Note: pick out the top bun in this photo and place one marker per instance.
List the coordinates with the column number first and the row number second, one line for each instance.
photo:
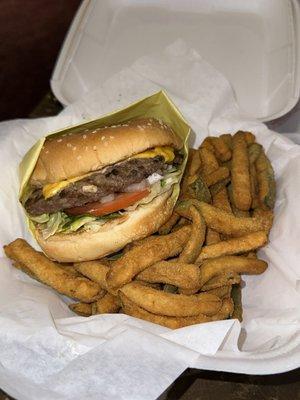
column 74, row 154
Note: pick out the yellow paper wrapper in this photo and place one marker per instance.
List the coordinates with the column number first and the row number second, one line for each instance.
column 157, row 106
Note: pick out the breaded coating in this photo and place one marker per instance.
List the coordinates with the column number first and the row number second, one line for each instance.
column 108, row 304
column 254, row 151
column 266, row 182
column 221, row 201
column 197, row 189
column 219, row 186
column 51, row 274
column 134, row 310
column 226, row 223
column 227, row 138
column 151, row 251
column 223, row 291
column 172, row 305
column 236, row 295
column 222, row 151
column 209, row 161
column 248, row 136
column 167, row 226
column 240, row 175
column 82, row 309
column 248, row 242
column 94, row 270
column 234, row 264
column 195, row 242
column 212, row 236
column 216, row 176
column 176, row 273
column 225, row 279
column 206, row 144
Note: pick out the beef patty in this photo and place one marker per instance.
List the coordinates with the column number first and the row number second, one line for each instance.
column 113, row 180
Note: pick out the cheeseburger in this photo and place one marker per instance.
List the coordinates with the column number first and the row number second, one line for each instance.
column 93, row 191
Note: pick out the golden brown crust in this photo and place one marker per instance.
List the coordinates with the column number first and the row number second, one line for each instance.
column 112, row 236
column 75, row 154
column 51, row 274
column 171, row 304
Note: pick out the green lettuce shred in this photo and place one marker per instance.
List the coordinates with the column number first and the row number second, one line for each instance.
column 77, row 223
column 55, row 224
column 40, row 219
column 49, row 224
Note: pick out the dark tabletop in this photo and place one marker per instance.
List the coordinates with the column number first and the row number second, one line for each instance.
column 208, row 385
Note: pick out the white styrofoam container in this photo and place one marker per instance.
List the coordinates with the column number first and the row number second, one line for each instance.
column 255, row 44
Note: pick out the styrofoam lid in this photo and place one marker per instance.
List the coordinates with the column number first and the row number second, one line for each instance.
column 255, row 44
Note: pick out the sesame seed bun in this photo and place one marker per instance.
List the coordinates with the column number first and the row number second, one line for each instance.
column 74, row 154
column 112, row 236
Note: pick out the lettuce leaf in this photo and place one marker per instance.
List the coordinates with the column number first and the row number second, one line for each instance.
column 77, row 223
column 40, row 219
column 50, row 224
column 55, row 224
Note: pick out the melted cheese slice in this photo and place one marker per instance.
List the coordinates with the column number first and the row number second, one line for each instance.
column 166, row 152
column 53, row 188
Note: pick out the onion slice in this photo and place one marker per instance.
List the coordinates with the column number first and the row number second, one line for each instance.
column 107, row 199
column 137, row 187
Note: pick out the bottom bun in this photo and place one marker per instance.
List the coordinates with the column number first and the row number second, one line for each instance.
column 112, row 236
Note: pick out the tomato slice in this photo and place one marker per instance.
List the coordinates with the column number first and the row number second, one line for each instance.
column 98, row 209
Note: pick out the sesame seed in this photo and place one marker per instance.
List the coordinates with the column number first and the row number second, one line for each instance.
column 102, row 137
column 69, row 145
column 59, row 140
column 125, row 125
column 149, row 124
column 47, row 151
column 140, row 127
column 74, row 148
column 84, row 136
column 94, row 147
column 86, row 147
column 70, row 134
column 78, row 157
column 95, row 131
column 111, row 137
column 86, row 130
